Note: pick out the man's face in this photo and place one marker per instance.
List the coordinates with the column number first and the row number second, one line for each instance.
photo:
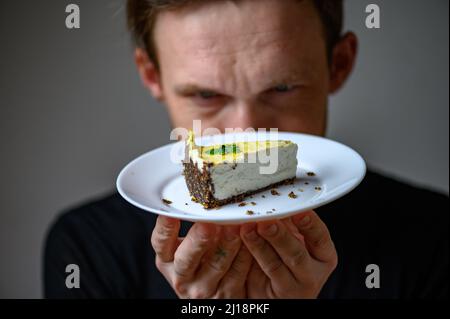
column 244, row 64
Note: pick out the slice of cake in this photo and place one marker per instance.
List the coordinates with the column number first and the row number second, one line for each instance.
column 220, row 174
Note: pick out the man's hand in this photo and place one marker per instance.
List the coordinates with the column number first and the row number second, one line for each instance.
column 293, row 257
column 210, row 262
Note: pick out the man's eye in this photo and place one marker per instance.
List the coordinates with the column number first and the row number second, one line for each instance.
column 206, row 95
column 282, row 88
column 208, row 98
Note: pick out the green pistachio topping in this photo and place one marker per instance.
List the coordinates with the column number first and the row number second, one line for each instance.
column 225, row 149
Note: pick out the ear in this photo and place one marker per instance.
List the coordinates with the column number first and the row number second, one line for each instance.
column 149, row 74
column 343, row 60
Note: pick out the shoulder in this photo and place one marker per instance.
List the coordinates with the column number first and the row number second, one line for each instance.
column 386, row 201
column 104, row 238
column 383, row 195
column 108, row 224
column 109, row 213
column 401, row 228
column 390, row 188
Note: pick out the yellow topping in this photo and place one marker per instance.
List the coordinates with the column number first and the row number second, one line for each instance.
column 230, row 152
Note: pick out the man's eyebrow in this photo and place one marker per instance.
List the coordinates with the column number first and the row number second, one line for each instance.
column 193, row 88
column 186, row 89
column 289, row 78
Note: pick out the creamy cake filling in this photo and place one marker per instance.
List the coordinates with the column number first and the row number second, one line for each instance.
column 223, row 173
column 231, row 179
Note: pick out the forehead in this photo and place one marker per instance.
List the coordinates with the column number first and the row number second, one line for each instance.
column 224, row 34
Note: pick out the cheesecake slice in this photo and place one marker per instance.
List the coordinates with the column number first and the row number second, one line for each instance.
column 220, row 174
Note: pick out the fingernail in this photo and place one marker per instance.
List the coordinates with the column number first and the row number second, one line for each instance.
column 231, row 233
column 304, row 221
column 250, row 232
column 205, row 231
column 270, row 230
column 251, row 235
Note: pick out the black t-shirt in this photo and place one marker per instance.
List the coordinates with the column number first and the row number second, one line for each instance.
column 402, row 229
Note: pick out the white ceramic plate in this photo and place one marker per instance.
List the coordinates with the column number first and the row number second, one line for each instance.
column 156, row 175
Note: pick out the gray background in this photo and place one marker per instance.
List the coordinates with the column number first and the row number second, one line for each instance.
column 73, row 112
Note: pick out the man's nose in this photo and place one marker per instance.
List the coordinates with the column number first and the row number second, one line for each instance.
column 252, row 115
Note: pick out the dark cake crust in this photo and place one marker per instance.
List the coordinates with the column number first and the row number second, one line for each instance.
column 199, row 184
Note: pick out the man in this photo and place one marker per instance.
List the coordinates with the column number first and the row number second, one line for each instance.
column 259, row 64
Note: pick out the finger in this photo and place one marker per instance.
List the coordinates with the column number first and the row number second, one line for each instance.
column 291, row 250
column 257, row 283
column 220, row 259
column 317, row 236
column 269, row 261
column 165, row 237
column 191, row 250
column 293, row 229
column 236, row 275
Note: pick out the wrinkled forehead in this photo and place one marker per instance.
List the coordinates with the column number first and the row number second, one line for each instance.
column 231, row 27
